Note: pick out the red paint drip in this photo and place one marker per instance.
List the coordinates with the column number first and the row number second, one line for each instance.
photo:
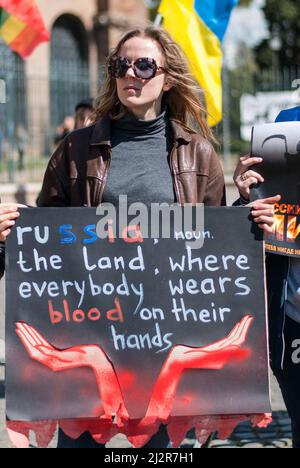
column 137, row 433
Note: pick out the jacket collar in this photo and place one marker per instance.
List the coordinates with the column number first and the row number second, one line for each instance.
column 101, row 134
column 179, row 132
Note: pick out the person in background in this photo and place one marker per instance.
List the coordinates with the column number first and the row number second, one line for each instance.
column 22, row 139
column 1, row 145
column 9, row 213
column 66, row 127
column 283, row 277
column 83, row 113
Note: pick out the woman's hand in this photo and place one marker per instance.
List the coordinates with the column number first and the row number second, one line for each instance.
column 8, row 215
column 263, row 213
column 244, row 177
column 262, row 210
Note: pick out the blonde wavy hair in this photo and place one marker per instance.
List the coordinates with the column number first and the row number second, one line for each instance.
column 185, row 102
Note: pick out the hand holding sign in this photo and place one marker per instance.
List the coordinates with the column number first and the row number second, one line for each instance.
column 8, row 215
column 244, row 177
column 279, row 147
column 263, row 213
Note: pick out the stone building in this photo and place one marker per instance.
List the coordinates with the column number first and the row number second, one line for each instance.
column 42, row 90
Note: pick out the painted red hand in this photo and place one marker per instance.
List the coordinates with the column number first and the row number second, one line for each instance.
column 56, row 360
column 91, row 356
column 214, row 357
column 217, row 355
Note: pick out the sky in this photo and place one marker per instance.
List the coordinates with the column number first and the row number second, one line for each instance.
column 247, row 25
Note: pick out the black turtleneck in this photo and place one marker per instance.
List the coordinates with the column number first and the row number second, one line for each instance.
column 140, row 165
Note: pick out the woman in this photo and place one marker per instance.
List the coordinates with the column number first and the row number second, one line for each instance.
column 141, row 145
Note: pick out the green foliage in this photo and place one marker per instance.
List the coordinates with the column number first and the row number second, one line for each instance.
column 283, row 17
column 153, row 6
column 244, row 3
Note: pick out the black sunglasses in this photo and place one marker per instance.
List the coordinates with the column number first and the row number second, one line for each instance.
column 144, row 68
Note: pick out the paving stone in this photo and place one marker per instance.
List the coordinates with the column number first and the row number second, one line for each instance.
column 279, row 444
column 217, row 443
column 253, row 445
column 188, row 443
column 245, row 435
column 227, row 447
column 119, row 441
column 4, row 440
column 245, row 441
column 286, row 428
column 288, row 443
column 269, row 435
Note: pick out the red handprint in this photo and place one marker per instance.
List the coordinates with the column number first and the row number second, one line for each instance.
column 181, row 358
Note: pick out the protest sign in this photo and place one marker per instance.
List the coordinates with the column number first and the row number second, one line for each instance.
column 279, row 146
column 134, row 326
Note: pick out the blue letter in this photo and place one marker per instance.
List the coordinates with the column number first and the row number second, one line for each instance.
column 90, row 231
column 68, row 237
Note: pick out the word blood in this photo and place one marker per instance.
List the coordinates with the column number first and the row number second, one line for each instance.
column 79, row 315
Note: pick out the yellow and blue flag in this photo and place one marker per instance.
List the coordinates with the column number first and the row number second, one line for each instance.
column 199, row 26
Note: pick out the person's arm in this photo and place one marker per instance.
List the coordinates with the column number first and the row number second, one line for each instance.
column 9, row 213
column 55, row 189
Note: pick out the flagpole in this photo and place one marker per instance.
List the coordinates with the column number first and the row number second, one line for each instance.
column 158, row 20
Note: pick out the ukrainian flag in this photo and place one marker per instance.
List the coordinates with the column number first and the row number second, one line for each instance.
column 199, row 26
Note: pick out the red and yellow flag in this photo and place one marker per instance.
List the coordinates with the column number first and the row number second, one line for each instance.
column 21, row 26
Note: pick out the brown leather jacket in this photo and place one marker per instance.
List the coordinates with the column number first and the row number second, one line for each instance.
column 77, row 172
